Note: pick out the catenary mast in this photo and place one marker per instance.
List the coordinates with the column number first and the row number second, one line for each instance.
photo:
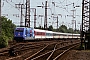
column 27, row 16
column 85, row 30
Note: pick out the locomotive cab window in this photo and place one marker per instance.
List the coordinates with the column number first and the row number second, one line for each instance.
column 19, row 30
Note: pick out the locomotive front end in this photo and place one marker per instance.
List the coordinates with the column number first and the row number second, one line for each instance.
column 18, row 34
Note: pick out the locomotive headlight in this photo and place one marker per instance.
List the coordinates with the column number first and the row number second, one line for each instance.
column 25, row 35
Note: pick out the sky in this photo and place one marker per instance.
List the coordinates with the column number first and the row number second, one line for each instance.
column 61, row 8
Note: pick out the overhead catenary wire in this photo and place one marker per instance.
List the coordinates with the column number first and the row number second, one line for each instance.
column 63, row 6
column 14, row 6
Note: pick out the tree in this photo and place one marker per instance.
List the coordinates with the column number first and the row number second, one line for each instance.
column 8, row 27
column 7, row 31
column 62, row 28
column 50, row 28
column 70, row 30
column 39, row 28
column 77, row 31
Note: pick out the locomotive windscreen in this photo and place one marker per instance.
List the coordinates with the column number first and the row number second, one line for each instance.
column 19, row 29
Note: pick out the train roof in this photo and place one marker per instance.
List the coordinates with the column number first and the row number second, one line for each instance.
column 39, row 30
column 43, row 31
column 54, row 32
column 23, row 27
column 65, row 33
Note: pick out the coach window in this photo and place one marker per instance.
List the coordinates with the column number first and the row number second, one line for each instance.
column 47, row 34
column 53, row 34
column 42, row 33
column 39, row 33
column 35, row 33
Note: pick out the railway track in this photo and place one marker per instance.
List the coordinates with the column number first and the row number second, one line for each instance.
column 64, row 51
column 18, row 49
column 32, row 49
column 4, row 51
column 14, row 45
column 23, row 48
column 53, row 52
column 23, row 55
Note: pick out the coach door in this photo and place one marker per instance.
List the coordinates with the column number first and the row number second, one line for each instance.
column 30, row 33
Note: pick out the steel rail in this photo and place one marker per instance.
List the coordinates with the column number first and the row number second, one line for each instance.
column 52, row 51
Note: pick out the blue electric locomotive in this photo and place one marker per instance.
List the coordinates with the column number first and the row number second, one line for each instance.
column 23, row 33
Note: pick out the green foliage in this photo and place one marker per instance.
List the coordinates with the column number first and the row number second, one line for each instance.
column 3, row 43
column 62, row 28
column 50, row 28
column 3, row 40
column 8, row 27
column 7, row 31
column 39, row 28
column 70, row 30
column 77, row 32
